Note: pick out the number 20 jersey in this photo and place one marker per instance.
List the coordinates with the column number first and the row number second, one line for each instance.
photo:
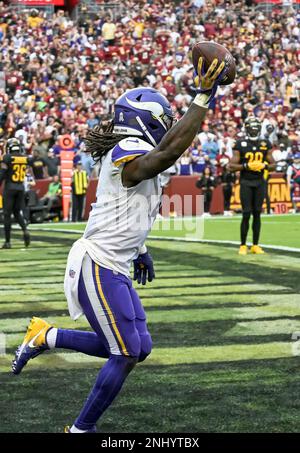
column 251, row 150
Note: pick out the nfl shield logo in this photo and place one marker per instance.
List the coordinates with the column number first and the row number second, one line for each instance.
column 72, row 273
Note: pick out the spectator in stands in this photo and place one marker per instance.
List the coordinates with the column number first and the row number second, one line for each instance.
column 61, row 75
column 39, row 166
column 34, row 20
column 109, row 31
column 185, row 164
column 52, row 162
column 199, row 160
column 92, row 120
column 211, row 147
column 53, row 196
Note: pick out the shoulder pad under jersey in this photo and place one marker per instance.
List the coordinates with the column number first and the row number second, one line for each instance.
column 128, row 149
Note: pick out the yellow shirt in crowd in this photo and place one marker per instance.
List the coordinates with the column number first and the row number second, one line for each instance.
column 34, row 22
column 139, row 29
column 109, row 31
column 4, row 27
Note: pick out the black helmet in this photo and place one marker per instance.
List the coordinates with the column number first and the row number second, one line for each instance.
column 253, row 127
column 14, row 145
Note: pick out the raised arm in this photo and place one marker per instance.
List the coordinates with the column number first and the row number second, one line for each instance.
column 180, row 136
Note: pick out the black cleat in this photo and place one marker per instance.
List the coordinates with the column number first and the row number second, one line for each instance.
column 26, row 238
column 6, row 245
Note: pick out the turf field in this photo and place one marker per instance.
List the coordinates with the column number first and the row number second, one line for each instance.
column 278, row 230
column 223, row 359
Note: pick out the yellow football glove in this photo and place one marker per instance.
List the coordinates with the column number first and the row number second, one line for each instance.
column 206, row 81
column 256, row 165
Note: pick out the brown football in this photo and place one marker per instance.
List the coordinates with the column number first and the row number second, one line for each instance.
column 210, row 50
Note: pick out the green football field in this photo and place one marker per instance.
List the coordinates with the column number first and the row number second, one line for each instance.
column 224, row 329
column 278, row 230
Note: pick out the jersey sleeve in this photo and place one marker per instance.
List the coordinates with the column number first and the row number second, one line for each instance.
column 129, row 149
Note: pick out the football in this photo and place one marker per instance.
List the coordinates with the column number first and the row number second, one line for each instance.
column 210, row 50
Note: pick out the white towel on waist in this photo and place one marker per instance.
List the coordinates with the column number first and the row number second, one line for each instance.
column 72, row 275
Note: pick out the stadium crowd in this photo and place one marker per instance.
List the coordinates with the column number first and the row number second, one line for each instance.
column 60, row 77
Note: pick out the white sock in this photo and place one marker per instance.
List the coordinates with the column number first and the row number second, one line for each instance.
column 76, row 430
column 51, row 338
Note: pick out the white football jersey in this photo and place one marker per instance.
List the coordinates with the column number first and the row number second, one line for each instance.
column 121, row 218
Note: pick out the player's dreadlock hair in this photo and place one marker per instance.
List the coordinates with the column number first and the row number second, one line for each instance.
column 100, row 140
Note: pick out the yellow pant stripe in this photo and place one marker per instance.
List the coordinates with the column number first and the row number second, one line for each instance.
column 111, row 317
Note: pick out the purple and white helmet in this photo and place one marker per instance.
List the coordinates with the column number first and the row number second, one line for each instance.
column 143, row 112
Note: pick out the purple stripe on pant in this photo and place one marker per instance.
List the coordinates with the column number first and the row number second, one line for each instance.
column 124, row 305
column 114, row 311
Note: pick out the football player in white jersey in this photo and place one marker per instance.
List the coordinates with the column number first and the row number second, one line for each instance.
column 139, row 144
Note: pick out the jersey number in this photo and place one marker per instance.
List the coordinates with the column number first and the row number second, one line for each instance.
column 258, row 156
column 19, row 173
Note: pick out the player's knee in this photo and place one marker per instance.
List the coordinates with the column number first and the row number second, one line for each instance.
column 130, row 363
column 246, row 216
column 122, row 365
column 256, row 214
column 127, row 363
column 146, row 347
column 16, row 215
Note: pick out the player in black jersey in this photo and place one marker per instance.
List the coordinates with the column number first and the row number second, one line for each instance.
column 251, row 156
column 13, row 171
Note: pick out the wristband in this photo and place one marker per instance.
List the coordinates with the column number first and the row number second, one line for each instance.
column 142, row 249
column 245, row 166
column 202, row 100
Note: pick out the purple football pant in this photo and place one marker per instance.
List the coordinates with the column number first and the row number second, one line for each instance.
column 114, row 311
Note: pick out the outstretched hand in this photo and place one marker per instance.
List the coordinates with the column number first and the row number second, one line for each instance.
column 207, row 82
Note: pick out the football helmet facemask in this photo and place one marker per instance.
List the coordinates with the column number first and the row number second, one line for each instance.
column 253, row 127
column 13, row 145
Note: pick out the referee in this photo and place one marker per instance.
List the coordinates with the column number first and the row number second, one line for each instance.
column 13, row 172
column 251, row 156
column 79, row 187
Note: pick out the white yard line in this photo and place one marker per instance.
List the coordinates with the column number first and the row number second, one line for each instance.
column 60, row 230
column 216, row 241
column 171, row 238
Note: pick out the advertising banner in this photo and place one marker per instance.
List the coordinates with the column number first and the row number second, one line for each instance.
column 39, row 2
